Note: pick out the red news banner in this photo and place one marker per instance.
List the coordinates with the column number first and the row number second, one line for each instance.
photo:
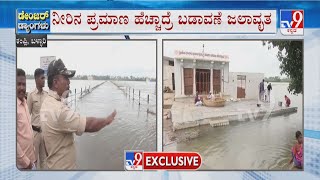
column 163, row 21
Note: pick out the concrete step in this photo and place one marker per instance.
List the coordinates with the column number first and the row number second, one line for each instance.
column 218, row 123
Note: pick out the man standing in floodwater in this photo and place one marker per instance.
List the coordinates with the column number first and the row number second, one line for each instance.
column 269, row 88
column 288, row 101
column 261, row 90
column 59, row 122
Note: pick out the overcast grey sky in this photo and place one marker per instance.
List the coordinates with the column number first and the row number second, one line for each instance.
column 124, row 58
column 245, row 56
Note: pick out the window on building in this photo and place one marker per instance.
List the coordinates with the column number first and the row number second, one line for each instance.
column 171, row 63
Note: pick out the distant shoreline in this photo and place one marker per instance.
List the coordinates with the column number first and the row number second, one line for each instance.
column 103, row 80
column 277, row 81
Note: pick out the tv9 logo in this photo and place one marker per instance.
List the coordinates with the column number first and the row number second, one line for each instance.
column 291, row 22
column 133, row 160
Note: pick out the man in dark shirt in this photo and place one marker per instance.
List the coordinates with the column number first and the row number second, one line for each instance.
column 261, row 90
column 269, row 87
column 288, row 101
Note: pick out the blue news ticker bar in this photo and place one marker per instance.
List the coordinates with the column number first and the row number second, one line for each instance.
column 312, row 134
column 311, row 8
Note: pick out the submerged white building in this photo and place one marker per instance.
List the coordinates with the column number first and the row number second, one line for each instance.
column 191, row 72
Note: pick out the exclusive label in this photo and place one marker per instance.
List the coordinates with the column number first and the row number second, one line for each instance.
column 138, row 160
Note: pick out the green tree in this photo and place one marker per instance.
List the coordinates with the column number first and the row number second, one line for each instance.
column 290, row 54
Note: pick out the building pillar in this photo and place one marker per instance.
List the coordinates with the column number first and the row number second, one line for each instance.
column 182, row 78
column 222, row 77
column 222, row 80
column 211, row 77
column 211, row 80
column 194, row 77
column 176, row 77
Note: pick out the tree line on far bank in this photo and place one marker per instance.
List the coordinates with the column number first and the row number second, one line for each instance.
column 277, row 79
column 107, row 77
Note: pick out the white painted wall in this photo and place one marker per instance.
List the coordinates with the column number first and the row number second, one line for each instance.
column 167, row 74
column 252, row 84
column 178, row 78
column 225, row 77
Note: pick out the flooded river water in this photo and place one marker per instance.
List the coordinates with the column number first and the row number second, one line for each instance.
column 260, row 144
column 132, row 129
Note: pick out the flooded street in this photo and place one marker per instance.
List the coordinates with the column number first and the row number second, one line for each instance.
column 259, row 144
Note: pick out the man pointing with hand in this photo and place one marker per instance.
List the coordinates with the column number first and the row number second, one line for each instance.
column 59, row 122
